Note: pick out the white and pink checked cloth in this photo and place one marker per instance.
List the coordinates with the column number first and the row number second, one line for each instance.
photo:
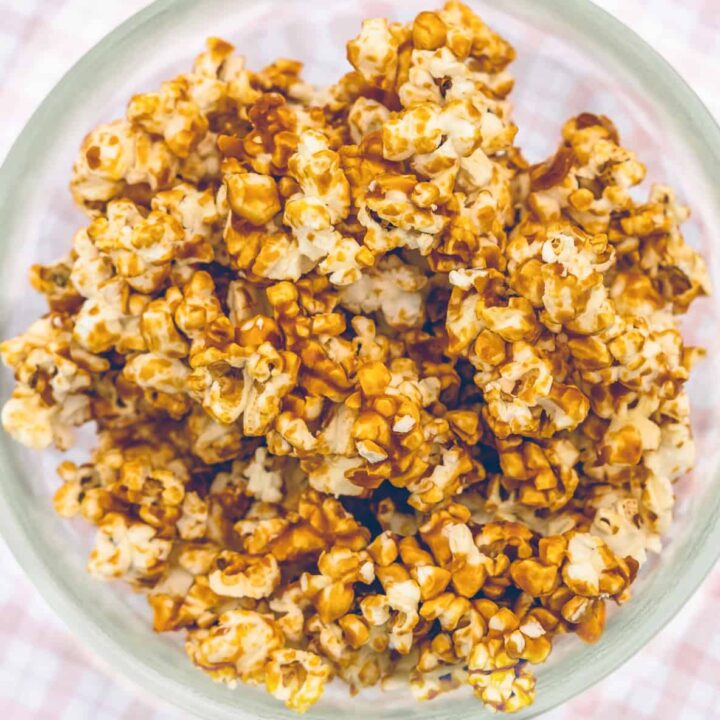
column 46, row 675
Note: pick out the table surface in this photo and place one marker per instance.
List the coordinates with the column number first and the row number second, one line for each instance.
column 46, row 674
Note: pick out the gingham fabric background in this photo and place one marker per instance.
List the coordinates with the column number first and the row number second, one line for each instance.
column 45, row 674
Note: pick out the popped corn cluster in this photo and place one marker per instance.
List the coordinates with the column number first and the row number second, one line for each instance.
column 374, row 396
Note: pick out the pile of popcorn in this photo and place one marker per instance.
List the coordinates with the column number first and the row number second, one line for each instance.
column 374, row 396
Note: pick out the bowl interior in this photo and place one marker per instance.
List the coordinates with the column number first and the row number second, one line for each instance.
column 566, row 65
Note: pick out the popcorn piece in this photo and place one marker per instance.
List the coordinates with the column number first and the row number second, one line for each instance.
column 116, row 157
column 262, row 482
column 505, row 690
column 291, row 604
column 54, row 375
column 664, row 254
column 253, row 197
column 140, row 248
column 591, row 569
column 128, row 549
column 171, row 113
column 543, row 475
column 239, row 647
column 591, row 153
column 332, row 591
column 243, row 576
column 297, row 677
column 322, row 202
column 392, row 288
column 374, row 53
column 366, row 116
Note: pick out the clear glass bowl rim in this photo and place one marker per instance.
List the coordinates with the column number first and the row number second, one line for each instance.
column 701, row 134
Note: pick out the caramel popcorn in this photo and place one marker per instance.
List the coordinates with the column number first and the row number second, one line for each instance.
column 376, row 399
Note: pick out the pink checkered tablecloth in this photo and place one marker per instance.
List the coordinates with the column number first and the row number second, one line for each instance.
column 45, row 674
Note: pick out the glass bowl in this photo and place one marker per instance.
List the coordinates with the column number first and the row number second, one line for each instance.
column 572, row 57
